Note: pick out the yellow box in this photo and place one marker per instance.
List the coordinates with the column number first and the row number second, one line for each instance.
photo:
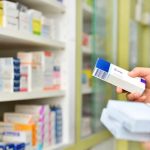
column 37, row 26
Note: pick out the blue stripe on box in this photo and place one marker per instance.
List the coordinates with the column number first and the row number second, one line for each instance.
column 143, row 81
column 102, row 64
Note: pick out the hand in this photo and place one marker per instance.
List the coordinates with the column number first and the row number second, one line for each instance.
column 146, row 145
column 145, row 97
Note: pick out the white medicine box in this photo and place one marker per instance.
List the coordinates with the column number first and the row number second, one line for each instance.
column 8, row 15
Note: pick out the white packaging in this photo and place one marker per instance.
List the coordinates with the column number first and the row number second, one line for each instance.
column 132, row 115
column 25, row 57
column 25, row 71
column 120, row 132
column 31, row 109
column 6, row 85
column 19, row 118
column 45, row 27
column 6, row 126
column 9, row 4
column 35, row 73
column 43, row 117
column 19, row 136
column 54, row 29
column 35, row 14
column 10, row 23
column 23, row 22
column 11, row 13
column 35, row 17
column 118, row 77
column 6, row 63
column 25, row 78
column 9, row 9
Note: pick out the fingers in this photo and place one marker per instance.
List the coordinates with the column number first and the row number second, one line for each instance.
column 136, row 97
column 139, row 72
column 119, row 90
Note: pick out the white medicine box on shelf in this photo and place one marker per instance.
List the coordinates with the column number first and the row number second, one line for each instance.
column 9, row 15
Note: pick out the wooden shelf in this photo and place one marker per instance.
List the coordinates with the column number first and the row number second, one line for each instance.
column 16, row 96
column 45, row 6
column 27, row 39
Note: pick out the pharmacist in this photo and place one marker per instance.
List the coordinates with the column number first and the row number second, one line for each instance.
column 145, row 97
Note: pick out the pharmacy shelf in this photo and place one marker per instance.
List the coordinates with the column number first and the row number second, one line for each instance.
column 27, row 39
column 45, row 6
column 57, row 147
column 16, row 96
column 87, row 12
column 86, row 50
column 86, row 90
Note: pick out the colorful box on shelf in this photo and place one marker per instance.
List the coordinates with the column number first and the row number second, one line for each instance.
column 50, row 118
column 9, row 74
column 35, row 21
column 31, row 71
column 58, row 123
column 40, row 71
column 24, row 123
column 87, row 77
column 12, row 146
column 42, row 114
column 5, row 127
column 18, row 136
column 8, row 15
column 37, row 126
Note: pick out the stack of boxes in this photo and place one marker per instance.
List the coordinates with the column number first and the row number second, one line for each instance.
column 40, row 71
column 9, row 74
column 42, row 112
column 127, row 120
column 37, row 126
column 31, row 71
column 12, row 146
column 9, row 15
column 57, row 126
column 22, row 129
column 31, row 63
column 17, row 16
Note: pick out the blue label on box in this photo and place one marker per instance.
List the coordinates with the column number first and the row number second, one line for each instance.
column 103, row 65
column 16, row 62
column 10, row 147
column 20, row 146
